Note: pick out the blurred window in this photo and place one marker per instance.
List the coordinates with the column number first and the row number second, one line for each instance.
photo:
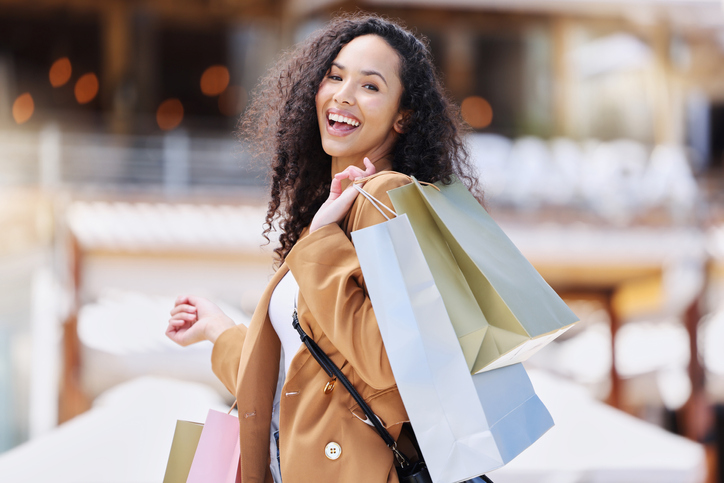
column 184, row 55
column 30, row 44
column 498, row 74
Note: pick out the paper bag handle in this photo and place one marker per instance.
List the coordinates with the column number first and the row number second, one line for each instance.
column 375, row 202
column 411, row 178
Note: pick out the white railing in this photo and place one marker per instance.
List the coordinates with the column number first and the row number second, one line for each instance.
column 173, row 163
column 618, row 180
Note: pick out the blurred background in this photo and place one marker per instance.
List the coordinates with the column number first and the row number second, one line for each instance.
column 598, row 131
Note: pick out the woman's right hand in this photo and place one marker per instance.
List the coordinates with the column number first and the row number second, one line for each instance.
column 340, row 200
column 194, row 319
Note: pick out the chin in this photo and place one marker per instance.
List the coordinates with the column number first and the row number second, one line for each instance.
column 335, row 151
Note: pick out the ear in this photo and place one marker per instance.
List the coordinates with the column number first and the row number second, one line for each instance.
column 400, row 125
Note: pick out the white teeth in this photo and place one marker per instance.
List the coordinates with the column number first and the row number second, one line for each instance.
column 338, row 118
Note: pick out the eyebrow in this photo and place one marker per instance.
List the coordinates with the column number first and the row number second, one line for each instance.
column 364, row 72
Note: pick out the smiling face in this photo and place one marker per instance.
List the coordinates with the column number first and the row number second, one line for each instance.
column 358, row 101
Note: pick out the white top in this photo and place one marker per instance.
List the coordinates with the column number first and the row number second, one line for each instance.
column 281, row 307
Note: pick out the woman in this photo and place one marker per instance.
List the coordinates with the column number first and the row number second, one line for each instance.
column 358, row 98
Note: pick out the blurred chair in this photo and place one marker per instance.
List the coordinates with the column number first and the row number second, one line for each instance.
column 631, row 158
column 611, row 173
column 669, row 181
column 489, row 154
column 567, row 157
column 660, row 349
column 529, row 171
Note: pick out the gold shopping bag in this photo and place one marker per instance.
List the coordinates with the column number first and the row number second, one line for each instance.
column 500, row 307
column 183, row 447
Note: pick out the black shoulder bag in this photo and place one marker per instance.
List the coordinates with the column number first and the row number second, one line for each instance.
column 407, row 471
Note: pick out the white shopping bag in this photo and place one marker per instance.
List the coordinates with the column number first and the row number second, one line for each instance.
column 465, row 425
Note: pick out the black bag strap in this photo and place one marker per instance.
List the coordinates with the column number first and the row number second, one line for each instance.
column 333, row 371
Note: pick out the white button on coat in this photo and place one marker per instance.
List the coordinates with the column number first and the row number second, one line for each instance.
column 332, row 451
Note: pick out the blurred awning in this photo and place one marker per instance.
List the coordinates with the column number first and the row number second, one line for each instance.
column 127, row 435
column 593, row 442
column 124, row 438
column 166, row 227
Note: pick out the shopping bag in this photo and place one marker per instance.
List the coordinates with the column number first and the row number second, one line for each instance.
column 217, row 454
column 501, row 308
column 466, row 425
column 185, row 439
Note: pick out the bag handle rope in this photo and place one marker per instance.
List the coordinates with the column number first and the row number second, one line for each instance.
column 377, row 203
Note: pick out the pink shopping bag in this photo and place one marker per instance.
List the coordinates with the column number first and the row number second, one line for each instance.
column 217, row 454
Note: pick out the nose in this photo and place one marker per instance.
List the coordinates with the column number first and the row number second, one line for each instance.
column 345, row 94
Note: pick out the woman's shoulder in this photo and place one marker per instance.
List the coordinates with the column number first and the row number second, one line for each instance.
column 364, row 212
column 385, row 181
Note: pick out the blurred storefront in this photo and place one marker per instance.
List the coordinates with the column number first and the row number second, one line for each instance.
column 597, row 128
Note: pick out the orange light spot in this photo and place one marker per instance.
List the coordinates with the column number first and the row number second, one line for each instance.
column 477, row 112
column 60, row 72
column 86, row 88
column 232, row 101
column 23, row 108
column 169, row 114
column 214, row 80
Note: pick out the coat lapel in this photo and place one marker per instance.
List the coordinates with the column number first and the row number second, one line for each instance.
column 256, row 384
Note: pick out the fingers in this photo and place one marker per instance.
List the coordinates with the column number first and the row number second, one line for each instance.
column 182, row 331
column 181, row 299
column 346, row 199
column 180, row 334
column 354, row 173
column 335, row 189
column 351, row 172
column 184, row 316
column 370, row 167
column 340, row 201
column 179, row 308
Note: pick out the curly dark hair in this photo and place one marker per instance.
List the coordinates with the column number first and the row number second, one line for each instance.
column 430, row 148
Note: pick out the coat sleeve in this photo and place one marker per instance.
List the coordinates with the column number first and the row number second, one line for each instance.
column 226, row 354
column 326, row 267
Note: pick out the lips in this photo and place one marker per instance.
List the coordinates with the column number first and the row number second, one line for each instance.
column 341, row 123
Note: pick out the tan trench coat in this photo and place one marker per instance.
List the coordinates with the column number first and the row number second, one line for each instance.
column 334, row 309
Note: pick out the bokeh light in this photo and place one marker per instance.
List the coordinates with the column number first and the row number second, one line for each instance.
column 169, row 114
column 477, row 112
column 86, row 88
column 232, row 101
column 23, row 108
column 214, row 80
column 60, row 72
